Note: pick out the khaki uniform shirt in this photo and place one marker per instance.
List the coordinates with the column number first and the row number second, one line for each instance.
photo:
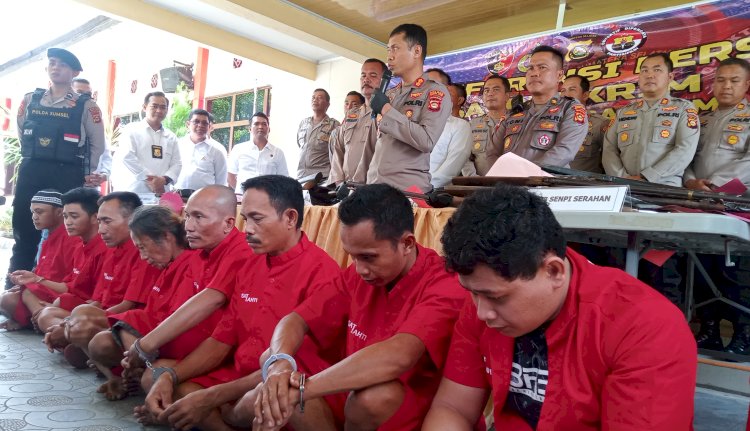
column 657, row 142
column 407, row 134
column 353, row 146
column 486, row 144
column 92, row 124
column 724, row 146
column 589, row 157
column 312, row 140
column 549, row 134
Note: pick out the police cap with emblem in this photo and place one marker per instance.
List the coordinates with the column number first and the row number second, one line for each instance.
column 67, row 57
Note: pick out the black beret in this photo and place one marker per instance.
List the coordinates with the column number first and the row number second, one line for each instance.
column 67, row 57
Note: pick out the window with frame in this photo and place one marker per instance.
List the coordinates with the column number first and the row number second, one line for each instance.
column 232, row 114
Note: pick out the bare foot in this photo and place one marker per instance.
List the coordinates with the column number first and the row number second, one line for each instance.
column 10, row 325
column 55, row 339
column 114, row 389
column 144, row 416
column 76, row 357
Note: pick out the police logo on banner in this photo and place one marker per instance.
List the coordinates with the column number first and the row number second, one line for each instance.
column 499, row 61
column 624, row 41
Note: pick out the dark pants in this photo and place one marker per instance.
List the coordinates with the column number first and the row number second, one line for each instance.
column 732, row 281
column 35, row 175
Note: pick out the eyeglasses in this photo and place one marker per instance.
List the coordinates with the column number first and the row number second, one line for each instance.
column 199, row 122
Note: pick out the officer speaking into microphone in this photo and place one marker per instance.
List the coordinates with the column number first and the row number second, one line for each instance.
column 62, row 138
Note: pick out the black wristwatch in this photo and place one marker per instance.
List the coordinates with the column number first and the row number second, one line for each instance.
column 167, row 180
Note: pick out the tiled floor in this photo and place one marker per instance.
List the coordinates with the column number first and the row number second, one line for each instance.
column 40, row 391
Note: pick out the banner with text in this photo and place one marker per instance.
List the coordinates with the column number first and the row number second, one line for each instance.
column 609, row 55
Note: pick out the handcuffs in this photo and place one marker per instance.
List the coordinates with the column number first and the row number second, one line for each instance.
column 147, row 358
column 275, row 357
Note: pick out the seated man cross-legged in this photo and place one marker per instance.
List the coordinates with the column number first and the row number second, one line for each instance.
column 289, row 269
column 560, row 343
column 395, row 306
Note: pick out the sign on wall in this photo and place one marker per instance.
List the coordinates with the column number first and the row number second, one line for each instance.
column 609, row 55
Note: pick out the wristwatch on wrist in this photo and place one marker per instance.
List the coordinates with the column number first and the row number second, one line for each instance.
column 274, row 358
column 167, row 180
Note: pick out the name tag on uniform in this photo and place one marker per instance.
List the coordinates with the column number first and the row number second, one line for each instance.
column 156, row 152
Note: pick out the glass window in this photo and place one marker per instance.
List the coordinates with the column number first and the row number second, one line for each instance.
column 222, row 136
column 221, row 108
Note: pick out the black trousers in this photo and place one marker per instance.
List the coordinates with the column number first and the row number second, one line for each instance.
column 732, row 281
column 35, row 175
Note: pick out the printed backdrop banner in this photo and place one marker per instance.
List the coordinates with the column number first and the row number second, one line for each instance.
column 609, row 55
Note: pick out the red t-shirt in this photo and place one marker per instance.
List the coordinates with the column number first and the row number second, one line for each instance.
column 267, row 291
column 56, row 261
column 124, row 276
column 424, row 303
column 621, row 357
column 85, row 275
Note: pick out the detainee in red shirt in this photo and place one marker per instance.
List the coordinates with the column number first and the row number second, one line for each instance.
column 210, row 225
column 219, row 250
column 395, row 305
column 80, row 208
column 289, row 269
column 159, row 236
column 560, row 343
column 53, row 263
column 121, row 285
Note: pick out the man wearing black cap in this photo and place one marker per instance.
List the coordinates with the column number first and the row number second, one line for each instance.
column 62, row 139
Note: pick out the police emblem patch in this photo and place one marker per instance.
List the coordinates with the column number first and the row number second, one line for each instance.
column 666, row 123
column 477, row 145
column 44, row 141
column 554, row 110
column 546, row 125
column 664, row 101
column 544, row 140
column 692, row 121
column 506, row 144
column 409, row 113
column 434, row 100
column 735, row 127
column 416, row 95
column 418, row 83
column 669, row 108
column 623, row 136
column 665, row 134
column 733, row 140
column 96, row 114
column 156, row 152
column 741, row 106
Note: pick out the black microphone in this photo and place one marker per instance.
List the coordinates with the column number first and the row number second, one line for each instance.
column 387, row 75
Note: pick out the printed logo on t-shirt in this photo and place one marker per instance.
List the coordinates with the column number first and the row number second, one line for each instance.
column 531, row 382
column 247, row 298
column 76, row 271
column 356, row 332
column 108, row 277
column 487, row 369
column 156, row 289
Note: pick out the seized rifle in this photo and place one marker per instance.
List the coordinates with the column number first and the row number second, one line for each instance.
column 648, row 192
column 436, row 198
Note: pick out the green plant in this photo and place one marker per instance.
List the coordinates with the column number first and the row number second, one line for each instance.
column 12, row 154
column 179, row 109
column 6, row 221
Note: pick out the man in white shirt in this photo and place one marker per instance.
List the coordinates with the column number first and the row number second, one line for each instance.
column 148, row 159
column 453, row 149
column 256, row 157
column 204, row 160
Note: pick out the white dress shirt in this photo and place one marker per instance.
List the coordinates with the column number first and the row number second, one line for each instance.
column 203, row 164
column 144, row 151
column 451, row 152
column 246, row 161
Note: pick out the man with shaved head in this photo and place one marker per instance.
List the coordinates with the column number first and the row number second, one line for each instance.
column 209, row 222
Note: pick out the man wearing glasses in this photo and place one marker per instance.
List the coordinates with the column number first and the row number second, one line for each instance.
column 148, row 159
column 204, row 161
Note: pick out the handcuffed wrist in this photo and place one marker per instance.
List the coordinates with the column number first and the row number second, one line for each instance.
column 273, row 358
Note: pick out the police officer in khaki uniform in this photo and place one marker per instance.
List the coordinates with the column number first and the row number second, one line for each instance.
column 354, row 141
column 486, row 144
column 589, row 157
column 653, row 139
column 724, row 154
column 413, row 114
column 551, row 128
column 313, row 136
column 62, row 138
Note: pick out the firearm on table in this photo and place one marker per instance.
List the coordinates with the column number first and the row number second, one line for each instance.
column 436, row 198
column 645, row 192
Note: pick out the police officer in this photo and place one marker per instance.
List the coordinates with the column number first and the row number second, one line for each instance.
column 551, row 128
column 313, row 136
column 412, row 114
column 589, row 157
column 653, row 139
column 354, row 141
column 62, row 139
column 724, row 154
column 486, row 144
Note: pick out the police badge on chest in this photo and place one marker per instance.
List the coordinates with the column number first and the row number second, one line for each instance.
column 156, row 152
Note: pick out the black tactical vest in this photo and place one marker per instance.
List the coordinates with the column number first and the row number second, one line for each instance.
column 53, row 134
